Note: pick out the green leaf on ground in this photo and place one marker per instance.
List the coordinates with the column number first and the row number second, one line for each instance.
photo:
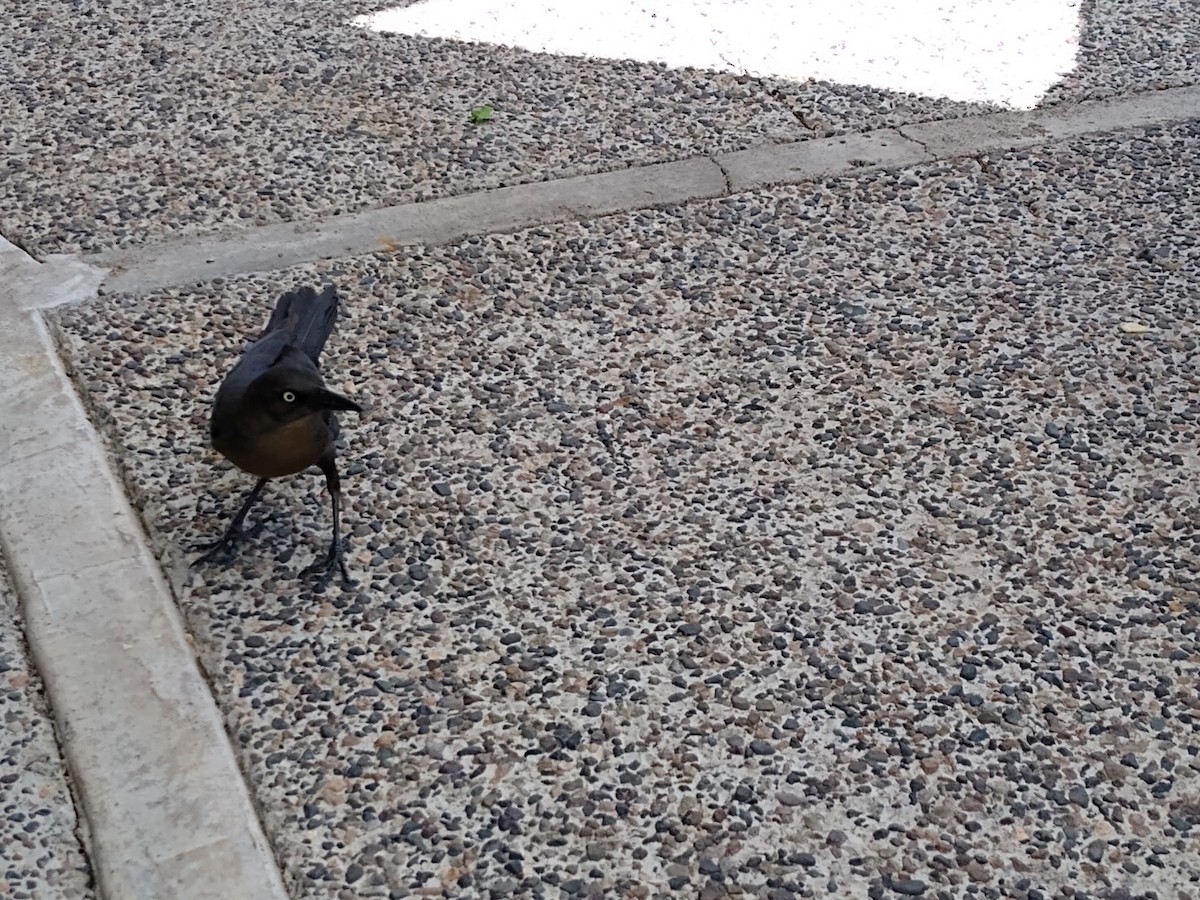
column 482, row 114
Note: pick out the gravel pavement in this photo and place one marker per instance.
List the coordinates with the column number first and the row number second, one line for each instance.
column 126, row 120
column 840, row 539
column 40, row 852
column 832, row 540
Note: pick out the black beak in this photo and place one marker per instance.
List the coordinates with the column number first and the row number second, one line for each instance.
column 324, row 399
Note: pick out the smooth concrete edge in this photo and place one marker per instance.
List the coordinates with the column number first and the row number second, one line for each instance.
column 773, row 164
column 432, row 222
column 1011, row 131
column 269, row 247
column 158, row 785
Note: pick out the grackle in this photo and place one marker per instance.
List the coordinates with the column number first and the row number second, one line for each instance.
column 273, row 415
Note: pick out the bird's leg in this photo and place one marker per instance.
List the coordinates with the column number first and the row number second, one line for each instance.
column 336, row 557
column 223, row 546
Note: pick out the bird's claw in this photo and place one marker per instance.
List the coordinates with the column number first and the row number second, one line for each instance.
column 322, row 570
column 219, row 550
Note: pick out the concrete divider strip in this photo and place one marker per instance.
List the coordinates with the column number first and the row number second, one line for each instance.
column 508, row 209
column 811, row 160
column 1009, row 131
column 432, row 222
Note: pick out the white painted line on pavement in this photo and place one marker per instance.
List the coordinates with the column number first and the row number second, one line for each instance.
column 1005, row 52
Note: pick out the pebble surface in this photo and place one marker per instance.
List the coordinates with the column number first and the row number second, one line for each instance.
column 168, row 119
column 40, row 852
column 837, row 540
column 1129, row 45
column 124, row 122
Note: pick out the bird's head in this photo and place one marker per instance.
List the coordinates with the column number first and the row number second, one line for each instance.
column 286, row 395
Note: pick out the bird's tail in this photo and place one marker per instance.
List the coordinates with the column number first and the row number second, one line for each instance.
column 307, row 317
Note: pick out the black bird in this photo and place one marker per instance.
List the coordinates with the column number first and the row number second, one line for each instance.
column 273, row 416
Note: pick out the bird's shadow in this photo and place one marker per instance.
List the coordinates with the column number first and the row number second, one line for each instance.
column 273, row 536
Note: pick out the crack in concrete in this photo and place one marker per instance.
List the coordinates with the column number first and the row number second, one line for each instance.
column 776, row 94
column 903, row 132
column 20, row 243
column 725, row 173
column 804, row 120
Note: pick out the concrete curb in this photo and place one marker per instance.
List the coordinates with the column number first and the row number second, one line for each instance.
column 148, row 268
column 168, row 810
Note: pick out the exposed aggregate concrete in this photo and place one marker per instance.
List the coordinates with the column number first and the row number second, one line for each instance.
column 40, row 852
column 125, row 121
column 1127, row 45
column 129, row 121
column 816, row 542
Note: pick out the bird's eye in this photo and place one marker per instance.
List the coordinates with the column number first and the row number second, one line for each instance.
column 289, row 397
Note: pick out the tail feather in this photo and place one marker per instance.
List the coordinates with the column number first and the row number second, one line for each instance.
column 307, row 317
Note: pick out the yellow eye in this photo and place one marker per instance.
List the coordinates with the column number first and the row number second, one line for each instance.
column 289, row 397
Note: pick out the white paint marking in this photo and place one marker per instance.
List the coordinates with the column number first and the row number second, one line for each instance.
column 1006, row 52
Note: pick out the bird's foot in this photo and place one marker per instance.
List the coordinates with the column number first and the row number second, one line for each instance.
column 333, row 561
column 220, row 550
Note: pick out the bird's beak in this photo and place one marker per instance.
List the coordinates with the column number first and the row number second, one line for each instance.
column 329, row 400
